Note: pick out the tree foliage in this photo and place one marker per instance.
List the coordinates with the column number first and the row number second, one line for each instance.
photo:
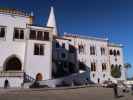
column 116, row 72
column 127, row 65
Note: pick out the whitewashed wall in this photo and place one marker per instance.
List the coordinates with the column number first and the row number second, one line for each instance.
column 8, row 46
column 23, row 49
column 119, row 61
column 97, row 58
column 38, row 64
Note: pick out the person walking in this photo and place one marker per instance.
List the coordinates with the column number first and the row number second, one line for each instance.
column 6, row 84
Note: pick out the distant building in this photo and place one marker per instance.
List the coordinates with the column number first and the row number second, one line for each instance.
column 29, row 52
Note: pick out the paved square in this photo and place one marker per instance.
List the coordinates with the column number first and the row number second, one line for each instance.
column 90, row 93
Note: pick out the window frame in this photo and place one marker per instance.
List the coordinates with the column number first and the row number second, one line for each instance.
column 5, row 29
column 39, row 35
column 103, row 51
column 92, row 50
column 104, row 66
column 39, row 49
column 81, row 49
column 93, row 66
column 21, row 32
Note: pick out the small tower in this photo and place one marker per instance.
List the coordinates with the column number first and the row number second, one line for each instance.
column 52, row 22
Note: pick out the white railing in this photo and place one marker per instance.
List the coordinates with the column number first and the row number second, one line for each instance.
column 11, row 74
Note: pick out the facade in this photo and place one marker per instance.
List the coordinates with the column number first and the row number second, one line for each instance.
column 26, row 50
column 95, row 54
column 29, row 52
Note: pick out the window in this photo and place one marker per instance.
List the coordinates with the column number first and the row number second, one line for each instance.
column 114, row 52
column 102, row 51
column 112, row 66
column 32, row 34
column 93, row 66
column 63, row 45
column 103, row 66
column 38, row 49
column 57, row 45
column 18, row 33
column 81, row 48
column 72, row 49
column 92, row 50
column 21, row 34
column 111, row 52
column 2, row 32
column 46, row 36
column 39, row 35
column 118, row 52
column 41, row 49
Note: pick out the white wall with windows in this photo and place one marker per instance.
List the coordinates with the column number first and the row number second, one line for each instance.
column 34, row 52
column 38, row 59
column 8, row 46
column 31, row 47
column 94, row 53
column 11, row 48
column 116, row 59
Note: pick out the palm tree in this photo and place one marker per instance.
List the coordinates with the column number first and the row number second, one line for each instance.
column 127, row 65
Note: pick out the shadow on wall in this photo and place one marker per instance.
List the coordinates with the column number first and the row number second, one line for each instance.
column 64, row 60
column 79, row 77
column 65, row 63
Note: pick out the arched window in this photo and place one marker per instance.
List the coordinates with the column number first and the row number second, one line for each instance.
column 118, row 52
column 111, row 52
column 114, row 52
column 92, row 50
column 112, row 66
column 12, row 64
column 93, row 66
column 103, row 66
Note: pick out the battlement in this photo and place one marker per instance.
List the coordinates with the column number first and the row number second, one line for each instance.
column 14, row 12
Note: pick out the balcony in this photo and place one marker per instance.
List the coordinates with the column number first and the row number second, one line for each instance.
column 11, row 74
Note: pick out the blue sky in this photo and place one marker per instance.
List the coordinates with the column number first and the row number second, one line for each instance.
column 104, row 18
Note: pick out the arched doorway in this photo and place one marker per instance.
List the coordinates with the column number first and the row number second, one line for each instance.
column 39, row 77
column 12, row 64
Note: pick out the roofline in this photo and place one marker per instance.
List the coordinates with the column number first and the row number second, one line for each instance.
column 62, row 38
column 115, row 45
column 38, row 27
column 85, row 37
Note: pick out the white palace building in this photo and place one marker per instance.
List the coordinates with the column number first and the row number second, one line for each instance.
column 29, row 52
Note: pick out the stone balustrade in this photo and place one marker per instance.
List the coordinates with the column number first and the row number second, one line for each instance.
column 11, row 74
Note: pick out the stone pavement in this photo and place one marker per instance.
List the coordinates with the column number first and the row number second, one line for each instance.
column 88, row 93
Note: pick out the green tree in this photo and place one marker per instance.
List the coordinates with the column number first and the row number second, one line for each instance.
column 116, row 72
column 127, row 65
